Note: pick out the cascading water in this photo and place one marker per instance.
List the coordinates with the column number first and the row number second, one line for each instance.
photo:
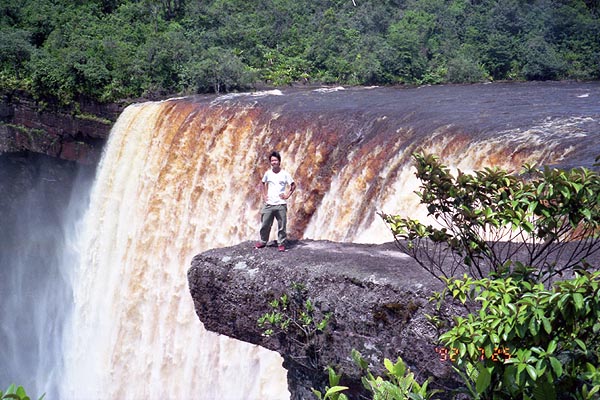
column 182, row 176
column 41, row 202
column 134, row 333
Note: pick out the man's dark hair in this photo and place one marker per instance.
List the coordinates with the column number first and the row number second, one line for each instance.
column 275, row 154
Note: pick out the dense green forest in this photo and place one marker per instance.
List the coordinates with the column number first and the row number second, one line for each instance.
column 115, row 49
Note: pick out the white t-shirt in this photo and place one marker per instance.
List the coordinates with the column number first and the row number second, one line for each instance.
column 276, row 183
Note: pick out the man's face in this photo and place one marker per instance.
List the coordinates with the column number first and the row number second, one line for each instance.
column 274, row 163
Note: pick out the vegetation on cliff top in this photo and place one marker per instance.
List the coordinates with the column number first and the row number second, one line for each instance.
column 538, row 225
column 114, row 49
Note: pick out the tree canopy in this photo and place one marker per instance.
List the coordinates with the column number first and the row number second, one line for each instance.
column 108, row 50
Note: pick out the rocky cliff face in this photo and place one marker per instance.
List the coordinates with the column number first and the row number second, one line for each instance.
column 378, row 298
column 75, row 134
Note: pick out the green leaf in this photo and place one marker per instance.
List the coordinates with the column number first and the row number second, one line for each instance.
column 593, row 391
column 531, row 371
column 399, row 368
column 334, row 378
column 509, row 378
column 388, row 365
column 544, row 390
column 534, row 326
column 578, row 300
column 547, row 325
column 581, row 345
column 556, row 366
column 520, row 369
column 21, row 393
column 577, row 187
column 358, row 359
column 335, row 389
column 483, row 380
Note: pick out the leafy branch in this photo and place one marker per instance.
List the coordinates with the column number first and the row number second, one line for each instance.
column 295, row 318
column 15, row 392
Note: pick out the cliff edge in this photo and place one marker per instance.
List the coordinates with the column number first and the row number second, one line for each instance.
column 378, row 298
column 74, row 133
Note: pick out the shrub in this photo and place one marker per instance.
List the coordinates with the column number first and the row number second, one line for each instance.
column 301, row 323
column 527, row 334
column 526, row 341
column 398, row 384
column 465, row 68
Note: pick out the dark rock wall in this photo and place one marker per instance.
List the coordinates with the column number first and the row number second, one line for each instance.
column 378, row 298
column 75, row 133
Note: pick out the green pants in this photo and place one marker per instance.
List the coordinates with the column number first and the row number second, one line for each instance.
column 267, row 214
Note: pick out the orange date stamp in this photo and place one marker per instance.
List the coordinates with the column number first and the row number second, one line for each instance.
column 500, row 354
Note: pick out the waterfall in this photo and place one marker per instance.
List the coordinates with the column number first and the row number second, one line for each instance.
column 181, row 176
column 160, row 197
column 42, row 201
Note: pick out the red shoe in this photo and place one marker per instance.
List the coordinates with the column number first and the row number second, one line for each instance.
column 259, row 245
column 281, row 247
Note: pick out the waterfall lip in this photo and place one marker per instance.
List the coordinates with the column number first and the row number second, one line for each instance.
column 329, row 89
column 261, row 93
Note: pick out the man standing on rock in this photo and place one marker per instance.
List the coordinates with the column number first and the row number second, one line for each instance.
column 275, row 182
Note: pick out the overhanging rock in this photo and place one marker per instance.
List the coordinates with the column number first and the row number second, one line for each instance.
column 378, row 298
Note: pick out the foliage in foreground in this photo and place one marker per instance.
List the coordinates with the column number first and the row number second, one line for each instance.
column 539, row 225
column 15, row 392
column 398, row 384
column 527, row 334
column 549, row 340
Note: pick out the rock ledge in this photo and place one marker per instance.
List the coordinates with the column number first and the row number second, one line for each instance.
column 377, row 295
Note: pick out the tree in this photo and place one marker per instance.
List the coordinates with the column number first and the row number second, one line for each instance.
column 537, row 225
column 15, row 51
column 219, row 70
column 113, row 49
column 411, row 40
column 542, row 61
column 465, row 67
